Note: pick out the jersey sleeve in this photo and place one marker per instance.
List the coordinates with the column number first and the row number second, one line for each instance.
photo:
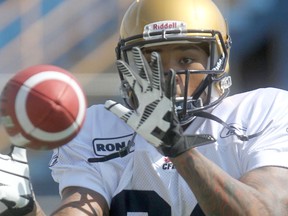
column 69, row 163
column 270, row 148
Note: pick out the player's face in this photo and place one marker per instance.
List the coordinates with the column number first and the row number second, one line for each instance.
column 181, row 57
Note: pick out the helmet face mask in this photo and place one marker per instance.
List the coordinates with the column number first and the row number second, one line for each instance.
column 214, row 40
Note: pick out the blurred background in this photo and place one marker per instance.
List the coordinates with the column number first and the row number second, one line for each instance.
column 81, row 36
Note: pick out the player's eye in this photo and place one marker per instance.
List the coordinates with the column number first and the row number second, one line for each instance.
column 186, row 61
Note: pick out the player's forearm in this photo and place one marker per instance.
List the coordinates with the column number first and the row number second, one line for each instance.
column 80, row 201
column 217, row 192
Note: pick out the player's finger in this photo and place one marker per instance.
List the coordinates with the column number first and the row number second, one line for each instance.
column 131, row 77
column 142, row 65
column 157, row 72
column 119, row 110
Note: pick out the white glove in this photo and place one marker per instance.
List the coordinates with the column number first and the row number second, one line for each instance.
column 155, row 118
column 15, row 188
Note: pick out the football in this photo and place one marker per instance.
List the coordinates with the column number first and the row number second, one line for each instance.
column 42, row 107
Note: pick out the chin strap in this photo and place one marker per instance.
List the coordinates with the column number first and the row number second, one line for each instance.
column 234, row 130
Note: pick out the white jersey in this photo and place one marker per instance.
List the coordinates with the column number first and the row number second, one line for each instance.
column 146, row 183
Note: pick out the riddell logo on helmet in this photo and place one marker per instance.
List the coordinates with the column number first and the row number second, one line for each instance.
column 161, row 26
column 164, row 25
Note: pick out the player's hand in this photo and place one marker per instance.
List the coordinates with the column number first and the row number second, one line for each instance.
column 155, row 117
column 15, row 188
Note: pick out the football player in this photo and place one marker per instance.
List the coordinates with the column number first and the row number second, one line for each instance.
column 178, row 146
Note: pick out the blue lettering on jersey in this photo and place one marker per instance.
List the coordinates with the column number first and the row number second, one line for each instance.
column 106, row 146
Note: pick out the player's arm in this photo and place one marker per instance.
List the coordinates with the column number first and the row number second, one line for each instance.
column 262, row 191
column 256, row 193
column 81, row 201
